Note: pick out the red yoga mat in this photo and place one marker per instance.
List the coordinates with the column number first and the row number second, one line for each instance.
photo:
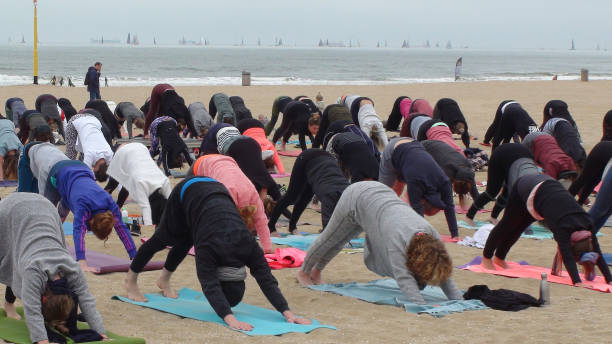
column 288, row 257
column 105, row 264
column 292, row 153
column 517, row 270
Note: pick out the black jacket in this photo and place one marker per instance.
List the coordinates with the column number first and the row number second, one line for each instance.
column 92, row 79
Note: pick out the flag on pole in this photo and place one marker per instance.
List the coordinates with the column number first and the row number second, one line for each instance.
column 458, row 66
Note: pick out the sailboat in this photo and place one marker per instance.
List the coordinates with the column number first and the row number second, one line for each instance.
column 449, row 45
column 427, row 44
column 129, row 41
column 102, row 40
column 404, row 44
column 22, row 39
column 135, row 41
column 259, row 42
column 573, row 46
column 154, row 41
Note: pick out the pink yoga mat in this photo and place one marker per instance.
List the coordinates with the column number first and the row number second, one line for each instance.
column 191, row 250
column 596, row 190
column 517, row 270
column 105, row 263
column 288, row 257
column 292, row 153
column 448, row 238
column 458, row 210
column 280, row 175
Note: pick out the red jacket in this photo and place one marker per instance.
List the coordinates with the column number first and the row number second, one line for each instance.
column 550, row 156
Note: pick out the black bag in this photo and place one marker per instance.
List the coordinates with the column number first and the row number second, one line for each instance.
column 501, row 299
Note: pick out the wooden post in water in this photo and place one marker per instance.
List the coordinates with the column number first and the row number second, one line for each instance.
column 584, row 75
column 246, row 78
column 35, row 44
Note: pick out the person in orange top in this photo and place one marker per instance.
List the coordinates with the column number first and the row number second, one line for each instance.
column 225, row 170
column 255, row 129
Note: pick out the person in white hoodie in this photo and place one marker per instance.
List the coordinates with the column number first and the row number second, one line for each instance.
column 133, row 168
column 365, row 117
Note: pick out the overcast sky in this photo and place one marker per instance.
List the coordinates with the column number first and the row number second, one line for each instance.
column 482, row 24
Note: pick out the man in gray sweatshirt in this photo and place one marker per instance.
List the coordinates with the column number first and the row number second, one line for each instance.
column 389, row 224
column 43, row 157
column 33, row 252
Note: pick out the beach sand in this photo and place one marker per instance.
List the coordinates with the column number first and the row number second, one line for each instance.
column 574, row 315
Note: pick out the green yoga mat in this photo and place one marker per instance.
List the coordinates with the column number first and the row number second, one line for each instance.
column 16, row 331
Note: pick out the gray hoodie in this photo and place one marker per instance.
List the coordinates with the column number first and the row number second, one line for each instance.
column 33, row 251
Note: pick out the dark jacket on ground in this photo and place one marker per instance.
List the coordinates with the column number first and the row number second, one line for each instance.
column 447, row 110
column 332, row 113
column 200, row 211
column 240, row 109
column 454, row 165
column 424, row 180
column 594, row 166
column 107, row 116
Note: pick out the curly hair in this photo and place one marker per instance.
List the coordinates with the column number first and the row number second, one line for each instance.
column 428, row 260
column 247, row 214
column 102, row 224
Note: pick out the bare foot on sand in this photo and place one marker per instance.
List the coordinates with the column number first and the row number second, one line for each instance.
column 133, row 292
column 500, row 262
column 487, row 264
column 303, row 278
column 11, row 311
column 315, row 276
column 493, row 220
column 275, row 234
column 470, row 222
column 166, row 288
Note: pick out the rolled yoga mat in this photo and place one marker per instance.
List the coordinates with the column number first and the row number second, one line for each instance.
column 106, row 264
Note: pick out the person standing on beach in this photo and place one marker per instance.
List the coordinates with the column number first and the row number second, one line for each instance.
column 92, row 80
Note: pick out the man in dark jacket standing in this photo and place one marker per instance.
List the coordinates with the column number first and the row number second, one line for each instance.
column 92, row 80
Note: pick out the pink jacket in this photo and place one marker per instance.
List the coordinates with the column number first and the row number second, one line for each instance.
column 405, row 107
column 259, row 135
column 443, row 133
column 225, row 170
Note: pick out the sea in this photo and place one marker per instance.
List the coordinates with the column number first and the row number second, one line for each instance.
column 214, row 65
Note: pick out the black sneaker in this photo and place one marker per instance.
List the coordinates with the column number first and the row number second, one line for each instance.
column 135, row 229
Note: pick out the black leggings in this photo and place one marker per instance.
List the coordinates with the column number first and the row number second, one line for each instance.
column 509, row 229
column 123, row 193
column 156, row 243
column 9, row 297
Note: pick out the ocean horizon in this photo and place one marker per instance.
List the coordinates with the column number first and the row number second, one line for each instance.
column 180, row 65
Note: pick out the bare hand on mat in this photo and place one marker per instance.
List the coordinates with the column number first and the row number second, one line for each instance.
column 232, row 322
column 85, row 267
column 291, row 318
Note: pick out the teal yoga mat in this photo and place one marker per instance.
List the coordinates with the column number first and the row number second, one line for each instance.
column 193, row 304
column 537, row 231
column 303, row 242
column 387, row 292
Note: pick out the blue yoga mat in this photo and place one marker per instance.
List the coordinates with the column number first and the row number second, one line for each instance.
column 193, row 304
column 68, row 228
column 387, row 292
column 608, row 258
column 303, row 242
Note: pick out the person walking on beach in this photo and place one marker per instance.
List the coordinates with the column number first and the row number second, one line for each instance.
column 92, row 80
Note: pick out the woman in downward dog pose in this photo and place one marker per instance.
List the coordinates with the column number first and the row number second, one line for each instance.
column 429, row 189
column 399, row 243
column 254, row 129
column 366, row 118
column 225, row 170
column 298, row 118
column 447, row 110
column 539, row 197
column 315, row 172
column 277, row 107
column 135, row 170
column 418, row 107
column 34, row 263
column 201, row 213
column 548, row 154
column 10, row 146
column 511, row 120
column 354, row 157
column 332, row 113
column 567, row 137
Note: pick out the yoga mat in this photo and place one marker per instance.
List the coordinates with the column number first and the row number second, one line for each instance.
column 8, row 183
column 193, row 305
column 292, row 153
column 283, row 222
column 293, row 142
column 523, row 270
column 16, row 331
column 280, row 175
column 460, row 210
column 608, row 223
column 484, row 144
column 191, row 250
column 302, row 242
column 608, row 258
column 538, row 232
column 68, row 228
column 106, row 264
column 286, row 258
column 448, row 238
column 387, row 292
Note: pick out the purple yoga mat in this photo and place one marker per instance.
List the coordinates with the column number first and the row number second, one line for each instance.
column 280, row 175
column 106, row 264
column 8, row 183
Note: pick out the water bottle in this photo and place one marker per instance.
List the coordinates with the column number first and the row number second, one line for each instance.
column 544, row 290
column 124, row 215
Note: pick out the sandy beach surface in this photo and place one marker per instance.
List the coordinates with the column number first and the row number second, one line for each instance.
column 575, row 314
